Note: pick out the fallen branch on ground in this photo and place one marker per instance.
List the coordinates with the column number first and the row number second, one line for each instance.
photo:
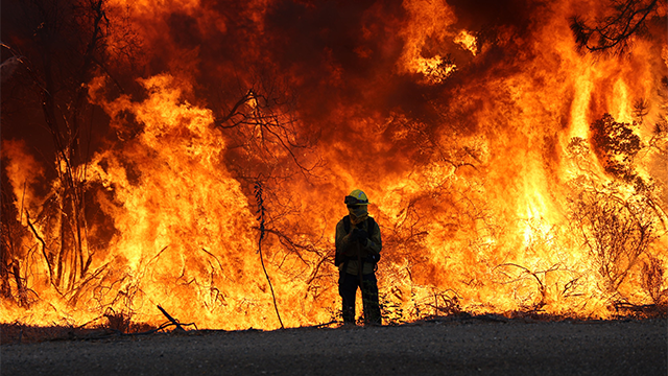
column 173, row 320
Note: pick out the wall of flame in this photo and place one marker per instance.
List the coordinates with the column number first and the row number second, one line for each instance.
column 454, row 118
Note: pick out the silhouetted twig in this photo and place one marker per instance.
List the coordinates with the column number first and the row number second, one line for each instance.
column 260, row 218
column 170, row 318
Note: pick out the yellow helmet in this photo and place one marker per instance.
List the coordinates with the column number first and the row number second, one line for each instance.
column 356, row 197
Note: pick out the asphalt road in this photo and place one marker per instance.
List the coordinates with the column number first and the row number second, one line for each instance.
column 436, row 348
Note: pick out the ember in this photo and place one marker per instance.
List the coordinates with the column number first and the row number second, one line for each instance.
column 516, row 151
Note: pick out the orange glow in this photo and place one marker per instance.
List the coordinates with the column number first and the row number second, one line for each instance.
column 468, row 41
column 481, row 158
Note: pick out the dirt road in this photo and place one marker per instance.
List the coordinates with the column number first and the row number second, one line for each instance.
column 474, row 347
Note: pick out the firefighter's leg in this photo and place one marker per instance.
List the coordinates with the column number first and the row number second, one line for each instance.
column 347, row 289
column 370, row 300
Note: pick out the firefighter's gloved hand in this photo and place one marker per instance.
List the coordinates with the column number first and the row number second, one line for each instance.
column 361, row 236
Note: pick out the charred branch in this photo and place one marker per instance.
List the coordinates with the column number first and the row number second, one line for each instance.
column 629, row 18
column 81, row 286
column 260, row 218
column 215, row 258
column 171, row 319
column 642, row 310
column 262, row 124
column 43, row 243
column 542, row 288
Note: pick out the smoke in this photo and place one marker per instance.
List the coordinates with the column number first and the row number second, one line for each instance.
column 8, row 67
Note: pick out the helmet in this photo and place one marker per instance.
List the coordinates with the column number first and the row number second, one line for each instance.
column 356, row 197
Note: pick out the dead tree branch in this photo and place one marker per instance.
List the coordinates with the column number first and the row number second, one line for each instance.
column 171, row 319
column 260, row 211
column 39, row 238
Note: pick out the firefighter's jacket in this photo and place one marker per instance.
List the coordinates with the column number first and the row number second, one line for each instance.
column 351, row 248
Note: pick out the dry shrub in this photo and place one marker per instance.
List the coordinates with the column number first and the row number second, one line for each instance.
column 653, row 273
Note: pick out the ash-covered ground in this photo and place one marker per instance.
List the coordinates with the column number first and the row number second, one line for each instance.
column 464, row 347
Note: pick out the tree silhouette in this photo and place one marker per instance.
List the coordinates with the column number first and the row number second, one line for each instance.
column 56, row 48
column 612, row 32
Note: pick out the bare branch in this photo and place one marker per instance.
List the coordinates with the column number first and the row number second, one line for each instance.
column 613, row 32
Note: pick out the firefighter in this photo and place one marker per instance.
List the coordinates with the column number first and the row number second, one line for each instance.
column 358, row 247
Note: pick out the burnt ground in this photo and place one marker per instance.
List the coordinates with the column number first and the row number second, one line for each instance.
column 463, row 347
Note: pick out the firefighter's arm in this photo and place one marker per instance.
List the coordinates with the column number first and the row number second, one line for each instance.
column 342, row 240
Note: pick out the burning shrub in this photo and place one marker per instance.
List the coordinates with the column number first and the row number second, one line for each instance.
column 617, row 232
column 618, row 220
column 653, row 272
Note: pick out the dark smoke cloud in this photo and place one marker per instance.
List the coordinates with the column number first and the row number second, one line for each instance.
column 327, row 55
column 482, row 14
